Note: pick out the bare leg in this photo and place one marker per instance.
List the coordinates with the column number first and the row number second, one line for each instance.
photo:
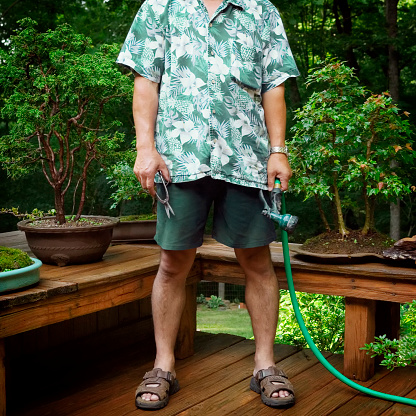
column 262, row 298
column 168, row 301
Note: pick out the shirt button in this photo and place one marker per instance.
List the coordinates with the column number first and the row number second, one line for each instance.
column 213, row 111
column 213, row 81
column 212, row 52
column 210, row 25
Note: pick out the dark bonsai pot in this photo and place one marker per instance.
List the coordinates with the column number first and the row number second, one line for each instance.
column 141, row 230
column 64, row 245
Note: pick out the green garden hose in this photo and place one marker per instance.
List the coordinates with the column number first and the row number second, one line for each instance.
column 313, row 347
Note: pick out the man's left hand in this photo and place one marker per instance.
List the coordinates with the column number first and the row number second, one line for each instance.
column 278, row 167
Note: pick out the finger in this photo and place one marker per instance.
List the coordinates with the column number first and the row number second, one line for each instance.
column 165, row 172
column 284, row 183
column 150, row 186
column 270, row 180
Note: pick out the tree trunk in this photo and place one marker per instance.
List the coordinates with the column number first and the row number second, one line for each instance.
column 394, row 78
column 322, row 213
column 294, row 94
column 342, row 229
column 59, row 205
column 393, row 65
column 369, row 203
column 345, row 27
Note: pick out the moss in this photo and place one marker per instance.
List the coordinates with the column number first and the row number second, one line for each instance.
column 13, row 258
column 138, row 217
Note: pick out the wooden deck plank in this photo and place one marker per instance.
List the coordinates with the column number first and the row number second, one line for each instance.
column 399, row 409
column 399, row 382
column 89, row 389
column 306, row 384
column 239, row 396
column 237, row 370
column 215, row 382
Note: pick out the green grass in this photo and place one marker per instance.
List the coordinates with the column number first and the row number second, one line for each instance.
column 230, row 321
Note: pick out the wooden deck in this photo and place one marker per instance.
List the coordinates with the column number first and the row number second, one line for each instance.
column 85, row 377
column 214, row 381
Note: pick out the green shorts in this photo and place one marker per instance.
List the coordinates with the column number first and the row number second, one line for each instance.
column 238, row 221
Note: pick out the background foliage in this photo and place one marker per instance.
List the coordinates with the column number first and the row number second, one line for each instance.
column 354, row 31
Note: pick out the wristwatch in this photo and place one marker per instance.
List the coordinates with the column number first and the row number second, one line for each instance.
column 279, row 149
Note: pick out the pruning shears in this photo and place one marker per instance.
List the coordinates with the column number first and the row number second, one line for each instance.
column 165, row 201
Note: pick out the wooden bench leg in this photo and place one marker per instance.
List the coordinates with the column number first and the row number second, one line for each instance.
column 185, row 340
column 2, row 378
column 359, row 330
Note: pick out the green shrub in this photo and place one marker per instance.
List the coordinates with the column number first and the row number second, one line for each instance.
column 215, row 302
column 201, row 299
column 324, row 316
column 397, row 352
column 13, row 258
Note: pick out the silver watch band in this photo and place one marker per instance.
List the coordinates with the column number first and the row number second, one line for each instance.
column 279, row 149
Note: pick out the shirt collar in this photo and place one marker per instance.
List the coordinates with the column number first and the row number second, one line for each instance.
column 238, row 3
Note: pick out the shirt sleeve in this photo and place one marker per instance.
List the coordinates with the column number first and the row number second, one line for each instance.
column 143, row 50
column 278, row 61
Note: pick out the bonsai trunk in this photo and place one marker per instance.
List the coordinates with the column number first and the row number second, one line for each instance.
column 322, row 213
column 370, row 203
column 342, row 229
column 59, row 205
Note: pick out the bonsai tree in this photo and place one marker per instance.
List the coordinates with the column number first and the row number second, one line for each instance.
column 344, row 142
column 124, row 182
column 60, row 96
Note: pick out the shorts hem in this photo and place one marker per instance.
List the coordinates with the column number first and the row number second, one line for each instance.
column 250, row 244
column 179, row 247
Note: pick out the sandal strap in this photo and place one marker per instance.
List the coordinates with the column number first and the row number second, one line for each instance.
column 162, row 387
column 271, row 371
column 268, row 387
column 159, row 373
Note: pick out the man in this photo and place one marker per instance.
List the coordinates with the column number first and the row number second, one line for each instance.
column 208, row 80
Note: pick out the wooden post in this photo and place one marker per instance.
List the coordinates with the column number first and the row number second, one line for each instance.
column 185, row 340
column 359, row 330
column 2, row 378
column 221, row 290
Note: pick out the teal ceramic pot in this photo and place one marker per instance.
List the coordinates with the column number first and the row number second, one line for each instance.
column 20, row 278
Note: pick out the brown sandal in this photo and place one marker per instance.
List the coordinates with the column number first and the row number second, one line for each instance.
column 167, row 385
column 263, row 384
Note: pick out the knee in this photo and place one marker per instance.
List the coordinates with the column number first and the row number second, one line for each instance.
column 175, row 265
column 256, row 261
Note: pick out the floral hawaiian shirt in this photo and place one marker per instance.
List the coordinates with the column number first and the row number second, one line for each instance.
column 212, row 74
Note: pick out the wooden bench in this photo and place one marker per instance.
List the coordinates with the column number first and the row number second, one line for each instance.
column 373, row 294
column 126, row 274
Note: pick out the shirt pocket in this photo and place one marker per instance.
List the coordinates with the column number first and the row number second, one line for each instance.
column 246, row 60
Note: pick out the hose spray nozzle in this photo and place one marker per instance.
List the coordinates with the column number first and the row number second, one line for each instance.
column 286, row 222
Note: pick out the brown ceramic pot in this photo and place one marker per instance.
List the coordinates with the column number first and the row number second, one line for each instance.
column 71, row 245
column 135, row 231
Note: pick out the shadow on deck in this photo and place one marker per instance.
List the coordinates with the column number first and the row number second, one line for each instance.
column 214, row 381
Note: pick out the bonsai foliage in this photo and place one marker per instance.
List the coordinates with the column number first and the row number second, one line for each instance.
column 124, row 182
column 345, row 140
column 60, row 96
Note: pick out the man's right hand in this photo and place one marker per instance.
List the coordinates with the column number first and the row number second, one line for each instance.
column 148, row 162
